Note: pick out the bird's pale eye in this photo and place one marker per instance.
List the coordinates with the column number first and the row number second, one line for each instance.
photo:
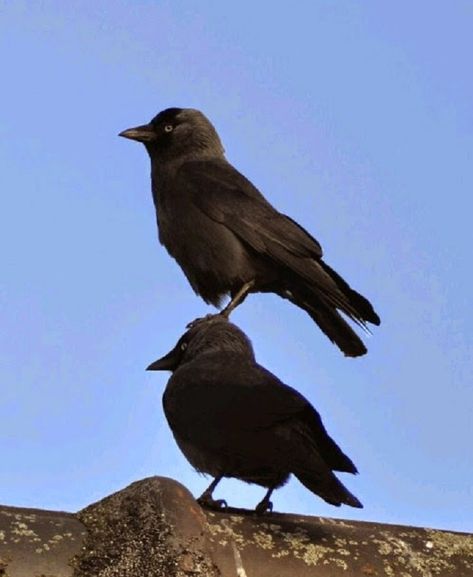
column 183, row 346
column 168, row 128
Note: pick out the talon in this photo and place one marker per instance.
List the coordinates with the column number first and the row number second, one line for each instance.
column 264, row 507
column 209, row 503
column 200, row 320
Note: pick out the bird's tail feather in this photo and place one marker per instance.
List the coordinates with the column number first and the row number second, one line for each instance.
column 363, row 308
column 330, row 322
column 330, row 489
column 317, row 436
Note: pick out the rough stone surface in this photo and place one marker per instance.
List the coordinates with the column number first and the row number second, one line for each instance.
column 280, row 545
column 37, row 543
column 154, row 528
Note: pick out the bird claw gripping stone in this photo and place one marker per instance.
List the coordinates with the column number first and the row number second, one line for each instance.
column 209, row 503
column 205, row 319
column 265, row 506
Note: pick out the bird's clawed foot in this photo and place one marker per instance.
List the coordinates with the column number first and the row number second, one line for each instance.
column 237, row 299
column 263, row 507
column 201, row 320
column 206, row 500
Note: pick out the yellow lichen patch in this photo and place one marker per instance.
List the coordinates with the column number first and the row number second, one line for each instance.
column 447, row 545
column 337, row 523
column 272, row 527
column 30, row 517
column 297, row 540
column 392, row 553
column 341, row 546
column 215, row 528
column 224, row 532
column 312, row 554
column 56, row 538
column 338, row 562
column 384, row 548
column 280, row 553
column 263, row 540
column 21, row 529
column 409, row 556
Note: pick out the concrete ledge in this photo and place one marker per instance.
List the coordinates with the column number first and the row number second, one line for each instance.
column 38, row 543
column 154, row 528
column 298, row 546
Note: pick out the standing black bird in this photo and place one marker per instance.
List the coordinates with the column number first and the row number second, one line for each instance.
column 233, row 418
column 229, row 240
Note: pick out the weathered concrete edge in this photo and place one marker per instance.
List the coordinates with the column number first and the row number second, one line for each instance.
column 154, row 527
column 198, row 542
column 286, row 544
column 38, row 542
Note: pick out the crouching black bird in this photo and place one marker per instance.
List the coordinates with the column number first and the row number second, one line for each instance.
column 233, row 418
column 229, row 240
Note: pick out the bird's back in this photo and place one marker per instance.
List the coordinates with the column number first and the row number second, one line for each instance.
column 224, row 402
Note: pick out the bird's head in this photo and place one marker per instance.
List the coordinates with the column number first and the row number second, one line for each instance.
column 211, row 335
column 178, row 133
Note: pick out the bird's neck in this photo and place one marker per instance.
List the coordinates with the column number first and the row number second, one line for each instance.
column 164, row 169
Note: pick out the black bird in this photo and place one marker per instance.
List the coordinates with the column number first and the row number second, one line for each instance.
column 233, row 418
column 229, row 240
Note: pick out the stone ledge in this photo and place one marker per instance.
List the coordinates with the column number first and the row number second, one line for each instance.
column 154, row 528
column 38, row 543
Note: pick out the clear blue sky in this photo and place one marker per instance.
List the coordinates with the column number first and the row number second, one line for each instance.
column 356, row 119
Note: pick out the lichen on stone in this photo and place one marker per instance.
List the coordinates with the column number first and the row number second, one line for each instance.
column 263, row 540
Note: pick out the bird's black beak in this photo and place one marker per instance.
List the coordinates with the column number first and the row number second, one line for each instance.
column 144, row 133
column 169, row 362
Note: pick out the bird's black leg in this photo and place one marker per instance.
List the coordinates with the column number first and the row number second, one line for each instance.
column 237, row 299
column 205, row 500
column 265, row 504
